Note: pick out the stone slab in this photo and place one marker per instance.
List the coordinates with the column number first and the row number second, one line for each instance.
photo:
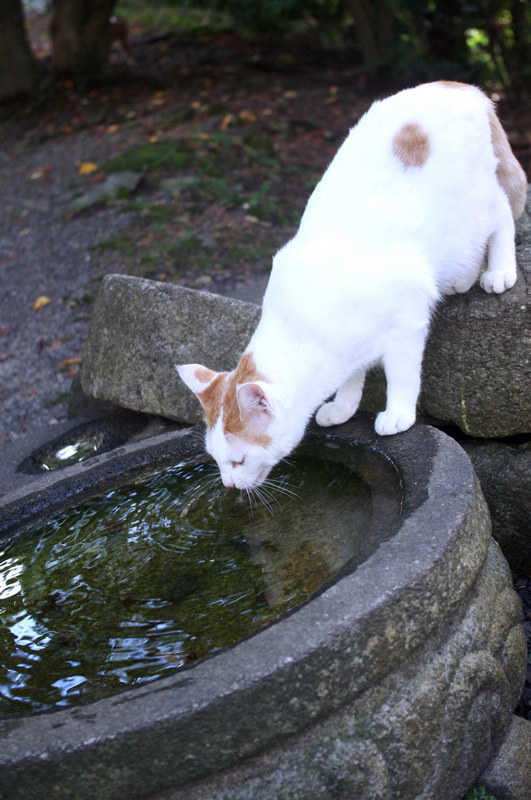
column 140, row 329
column 504, row 471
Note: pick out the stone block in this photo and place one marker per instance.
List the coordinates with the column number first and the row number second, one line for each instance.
column 504, row 471
column 140, row 329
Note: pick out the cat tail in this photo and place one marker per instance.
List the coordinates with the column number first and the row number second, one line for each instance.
column 510, row 174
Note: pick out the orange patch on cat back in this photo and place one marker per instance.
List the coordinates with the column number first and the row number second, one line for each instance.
column 411, row 145
column 455, row 84
column 245, row 372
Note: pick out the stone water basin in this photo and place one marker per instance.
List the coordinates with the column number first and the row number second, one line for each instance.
column 393, row 675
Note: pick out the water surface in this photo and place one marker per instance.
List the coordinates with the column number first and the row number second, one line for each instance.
column 149, row 578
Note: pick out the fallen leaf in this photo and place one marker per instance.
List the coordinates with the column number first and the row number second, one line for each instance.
column 86, row 167
column 98, row 177
column 333, row 90
column 70, row 373
column 39, row 173
column 227, row 121
column 247, row 116
column 158, row 99
column 113, row 128
column 69, row 361
column 40, row 302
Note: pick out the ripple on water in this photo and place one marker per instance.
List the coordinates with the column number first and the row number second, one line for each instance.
column 149, row 578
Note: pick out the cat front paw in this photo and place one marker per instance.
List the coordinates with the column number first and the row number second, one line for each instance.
column 497, row 282
column 332, row 413
column 389, row 422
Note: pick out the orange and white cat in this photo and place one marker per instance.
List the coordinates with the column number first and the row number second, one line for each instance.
column 423, row 184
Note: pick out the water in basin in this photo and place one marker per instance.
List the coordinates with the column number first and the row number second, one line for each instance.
column 149, row 578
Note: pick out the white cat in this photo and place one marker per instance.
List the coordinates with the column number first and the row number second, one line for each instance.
column 403, row 214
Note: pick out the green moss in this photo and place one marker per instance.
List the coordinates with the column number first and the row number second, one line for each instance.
column 479, row 793
column 168, row 155
column 168, row 16
column 120, row 243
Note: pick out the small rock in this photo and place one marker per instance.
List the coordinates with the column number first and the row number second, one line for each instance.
column 115, row 185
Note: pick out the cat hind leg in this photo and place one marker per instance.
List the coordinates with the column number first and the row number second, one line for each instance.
column 501, row 266
column 345, row 403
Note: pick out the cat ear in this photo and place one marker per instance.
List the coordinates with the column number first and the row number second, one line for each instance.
column 252, row 399
column 195, row 376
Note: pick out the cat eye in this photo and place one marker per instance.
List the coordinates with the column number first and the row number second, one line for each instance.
column 237, row 463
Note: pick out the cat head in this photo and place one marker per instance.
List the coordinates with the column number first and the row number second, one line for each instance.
column 241, row 416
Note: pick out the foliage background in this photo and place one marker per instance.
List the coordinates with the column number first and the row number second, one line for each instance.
column 484, row 41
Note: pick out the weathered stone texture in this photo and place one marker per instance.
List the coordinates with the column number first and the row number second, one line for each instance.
column 420, row 733
column 140, row 329
column 504, row 471
column 508, row 777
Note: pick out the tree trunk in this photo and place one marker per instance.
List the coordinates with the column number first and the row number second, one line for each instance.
column 373, row 23
column 445, row 32
column 18, row 71
column 80, row 35
column 519, row 66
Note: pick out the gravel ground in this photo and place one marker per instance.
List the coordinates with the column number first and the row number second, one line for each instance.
column 43, row 254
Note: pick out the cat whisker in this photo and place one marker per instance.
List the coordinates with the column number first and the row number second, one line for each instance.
column 280, row 487
column 264, row 499
column 202, row 487
column 288, row 462
column 250, row 498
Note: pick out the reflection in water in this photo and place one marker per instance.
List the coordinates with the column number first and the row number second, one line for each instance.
column 151, row 577
column 73, row 453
